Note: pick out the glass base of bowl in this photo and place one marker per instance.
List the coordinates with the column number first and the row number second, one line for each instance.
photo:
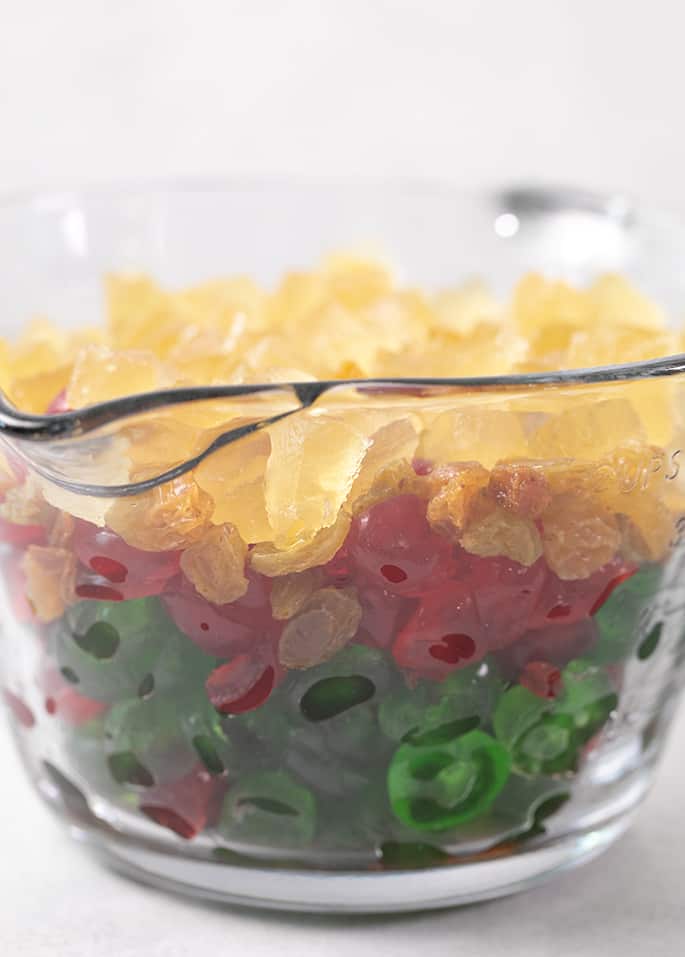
column 354, row 892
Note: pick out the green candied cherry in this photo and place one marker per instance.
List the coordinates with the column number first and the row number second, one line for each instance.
column 431, row 713
column 116, row 650
column 269, row 807
column 619, row 620
column 150, row 741
column 435, row 788
column 545, row 736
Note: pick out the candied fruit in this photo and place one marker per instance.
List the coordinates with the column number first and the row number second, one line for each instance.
column 167, row 517
column 578, row 536
column 50, row 580
column 327, row 621
column 216, row 565
column 290, row 592
column 501, row 533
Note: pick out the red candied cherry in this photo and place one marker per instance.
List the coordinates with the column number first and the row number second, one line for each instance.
column 242, row 684
column 116, row 570
column 383, row 616
column 556, row 644
column 63, row 700
column 542, row 679
column 22, row 535
column 188, row 805
column 221, row 630
column 442, row 635
column 394, row 547
column 564, row 602
column 505, row 594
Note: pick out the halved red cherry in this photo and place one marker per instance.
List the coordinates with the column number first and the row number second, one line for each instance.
column 114, row 566
column 185, row 806
column 443, row 635
column 505, row 594
column 542, row 679
column 565, row 602
column 241, row 684
column 394, row 547
column 383, row 616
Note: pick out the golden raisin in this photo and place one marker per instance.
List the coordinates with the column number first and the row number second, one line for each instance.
column 216, row 565
column 169, row 516
column 290, row 592
column 329, row 619
column 501, row 532
column 520, row 488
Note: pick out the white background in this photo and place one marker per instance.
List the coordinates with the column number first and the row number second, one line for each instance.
column 586, row 92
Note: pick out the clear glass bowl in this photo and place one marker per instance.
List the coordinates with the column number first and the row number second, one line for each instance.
column 443, row 725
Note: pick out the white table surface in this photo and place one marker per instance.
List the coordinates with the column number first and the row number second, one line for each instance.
column 558, row 90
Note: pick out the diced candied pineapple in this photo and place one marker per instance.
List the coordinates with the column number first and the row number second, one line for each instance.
column 539, row 303
column 35, row 393
column 392, row 443
column 579, row 536
column 290, row 592
column 501, row 532
column 474, row 435
column 313, row 463
column 329, row 619
column 457, row 492
column 615, row 302
column 169, row 516
column 141, row 315
column 398, row 478
column 354, row 281
column 587, row 430
column 25, row 504
column 50, row 580
column 234, row 477
column 464, row 309
column 271, row 561
column 216, row 565
column 100, row 374
column 158, row 442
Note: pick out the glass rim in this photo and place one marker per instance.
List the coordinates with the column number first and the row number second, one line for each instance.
column 41, row 427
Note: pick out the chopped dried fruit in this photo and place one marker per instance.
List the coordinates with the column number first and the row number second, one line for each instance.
column 502, row 533
column 290, row 592
column 216, row 565
column 520, row 488
column 271, row 561
column 50, row 580
column 578, row 538
column 458, row 493
column 169, row 516
column 329, row 619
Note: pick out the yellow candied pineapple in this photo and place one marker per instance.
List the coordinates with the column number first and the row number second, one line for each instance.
column 328, row 620
column 474, row 435
column 216, row 565
column 141, row 315
column 268, row 560
column 393, row 443
column 170, row 516
column 464, row 309
column 100, row 374
column 25, row 504
column 234, row 477
column 586, row 430
column 355, row 282
column 290, row 592
column 579, row 536
column 50, row 580
column 313, row 463
column 501, row 532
